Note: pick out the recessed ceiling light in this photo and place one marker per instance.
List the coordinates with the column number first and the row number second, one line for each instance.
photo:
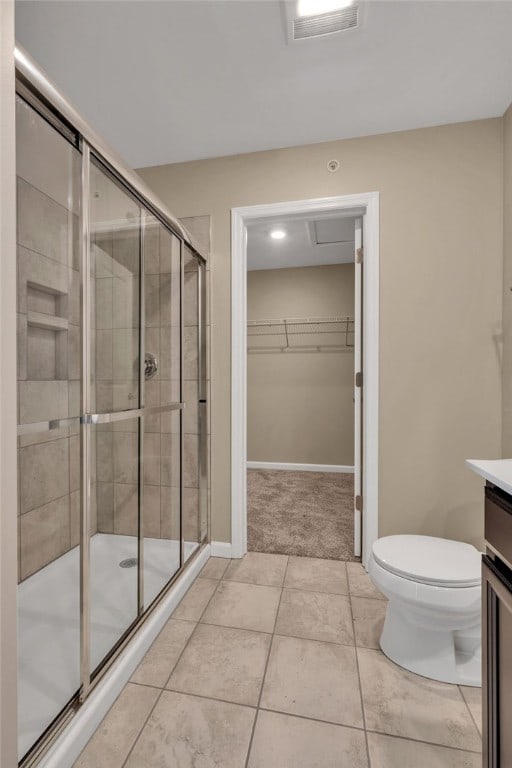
column 317, row 7
column 278, row 234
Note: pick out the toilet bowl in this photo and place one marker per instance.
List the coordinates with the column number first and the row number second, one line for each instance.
column 432, row 624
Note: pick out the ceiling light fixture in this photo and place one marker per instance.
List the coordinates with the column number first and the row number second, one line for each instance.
column 317, row 7
column 278, row 234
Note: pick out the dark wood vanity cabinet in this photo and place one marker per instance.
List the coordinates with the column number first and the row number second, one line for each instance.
column 497, row 630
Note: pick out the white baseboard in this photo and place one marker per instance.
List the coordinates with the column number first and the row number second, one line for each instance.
column 341, row 468
column 75, row 736
column 221, row 549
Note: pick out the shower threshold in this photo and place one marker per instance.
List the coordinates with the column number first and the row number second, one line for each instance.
column 49, row 620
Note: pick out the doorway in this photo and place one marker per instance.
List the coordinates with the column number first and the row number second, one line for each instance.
column 363, row 498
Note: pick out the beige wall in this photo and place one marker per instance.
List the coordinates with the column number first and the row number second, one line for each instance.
column 299, row 403
column 440, row 303
column 507, row 283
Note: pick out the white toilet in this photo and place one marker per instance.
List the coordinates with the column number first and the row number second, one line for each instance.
column 432, row 624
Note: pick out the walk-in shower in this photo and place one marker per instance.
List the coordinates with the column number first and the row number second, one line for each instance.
column 112, row 469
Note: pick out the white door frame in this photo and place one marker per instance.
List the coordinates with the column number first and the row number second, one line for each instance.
column 369, row 201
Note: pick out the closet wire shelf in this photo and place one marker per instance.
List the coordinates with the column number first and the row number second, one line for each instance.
column 301, row 333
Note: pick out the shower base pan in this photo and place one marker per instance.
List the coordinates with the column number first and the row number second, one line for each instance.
column 49, row 619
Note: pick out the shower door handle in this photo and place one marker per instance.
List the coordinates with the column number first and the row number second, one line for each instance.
column 109, row 418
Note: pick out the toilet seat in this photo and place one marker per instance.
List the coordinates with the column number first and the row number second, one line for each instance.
column 429, row 560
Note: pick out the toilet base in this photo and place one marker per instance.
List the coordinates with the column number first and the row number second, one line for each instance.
column 445, row 655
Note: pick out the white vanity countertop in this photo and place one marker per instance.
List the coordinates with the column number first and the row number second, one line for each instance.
column 498, row 471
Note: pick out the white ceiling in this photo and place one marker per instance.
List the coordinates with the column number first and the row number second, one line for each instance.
column 299, row 248
column 172, row 81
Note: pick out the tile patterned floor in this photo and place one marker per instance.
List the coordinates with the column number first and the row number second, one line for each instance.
column 274, row 662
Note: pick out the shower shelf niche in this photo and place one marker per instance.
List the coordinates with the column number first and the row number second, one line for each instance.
column 301, row 333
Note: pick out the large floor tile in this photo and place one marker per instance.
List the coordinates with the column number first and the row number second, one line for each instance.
column 315, row 616
column 369, row 615
column 110, row 745
column 291, row 742
column 192, row 732
column 258, row 568
column 390, row 752
column 400, row 703
column 223, row 663
column 215, row 568
column 360, row 584
column 246, row 606
column 313, row 679
column 196, row 600
column 473, row 698
column 315, row 575
column 158, row 663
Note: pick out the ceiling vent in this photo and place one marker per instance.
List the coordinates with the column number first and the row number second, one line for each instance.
column 325, row 23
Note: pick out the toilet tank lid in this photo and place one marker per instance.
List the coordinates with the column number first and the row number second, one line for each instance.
column 429, row 560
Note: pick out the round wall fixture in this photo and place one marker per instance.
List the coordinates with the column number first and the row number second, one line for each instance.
column 333, row 166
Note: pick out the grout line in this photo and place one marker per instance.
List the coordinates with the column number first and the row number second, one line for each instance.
column 422, row 741
column 469, row 710
column 211, row 698
column 313, row 719
column 142, row 728
column 173, row 668
column 249, row 748
column 359, row 679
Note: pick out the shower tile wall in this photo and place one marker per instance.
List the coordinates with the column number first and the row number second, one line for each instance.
column 163, row 339
column 48, row 342
column 116, row 321
column 195, row 517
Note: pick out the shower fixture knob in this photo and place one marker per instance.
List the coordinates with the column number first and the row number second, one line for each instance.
column 150, row 365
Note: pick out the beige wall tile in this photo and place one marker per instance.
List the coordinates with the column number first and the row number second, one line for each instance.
column 126, row 457
column 190, row 353
column 74, row 519
column 191, row 514
column 152, row 300
column 103, row 297
column 152, row 511
column 170, row 512
column 126, row 514
column 41, row 354
column 190, row 461
column 42, row 224
column 105, row 507
column 44, row 473
column 43, row 400
column 74, row 463
column 152, row 458
column 45, row 535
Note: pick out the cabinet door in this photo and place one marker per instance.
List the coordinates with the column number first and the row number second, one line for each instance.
column 497, row 648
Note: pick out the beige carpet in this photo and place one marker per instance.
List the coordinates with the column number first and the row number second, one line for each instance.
column 309, row 514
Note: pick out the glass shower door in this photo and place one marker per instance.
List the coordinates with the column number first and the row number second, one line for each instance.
column 49, row 373
column 162, row 408
column 112, row 402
